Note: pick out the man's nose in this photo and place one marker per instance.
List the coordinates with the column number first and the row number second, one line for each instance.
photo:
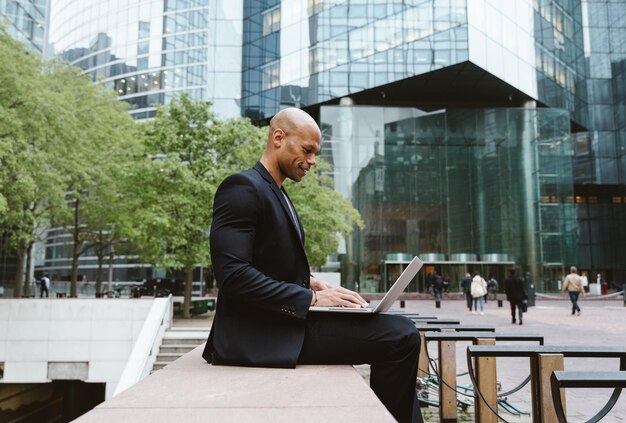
column 311, row 160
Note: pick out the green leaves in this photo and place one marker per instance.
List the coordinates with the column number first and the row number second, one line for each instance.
column 61, row 142
column 189, row 152
column 325, row 214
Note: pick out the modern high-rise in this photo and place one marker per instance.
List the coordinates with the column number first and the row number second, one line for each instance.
column 479, row 134
column 149, row 50
column 25, row 20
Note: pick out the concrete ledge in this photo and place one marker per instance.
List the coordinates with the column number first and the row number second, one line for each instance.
column 191, row 390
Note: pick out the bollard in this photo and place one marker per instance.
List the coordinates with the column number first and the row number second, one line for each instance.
column 437, row 304
column 401, row 303
column 531, row 295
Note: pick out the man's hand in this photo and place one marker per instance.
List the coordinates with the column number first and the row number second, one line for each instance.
column 329, row 295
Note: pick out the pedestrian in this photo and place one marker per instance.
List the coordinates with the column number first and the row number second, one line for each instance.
column 585, row 282
column 437, row 285
column 479, row 290
column 45, row 286
column 466, row 285
column 603, row 285
column 574, row 287
column 492, row 287
column 516, row 295
column 445, row 282
column 262, row 316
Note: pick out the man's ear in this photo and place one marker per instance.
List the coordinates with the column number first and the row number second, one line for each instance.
column 278, row 137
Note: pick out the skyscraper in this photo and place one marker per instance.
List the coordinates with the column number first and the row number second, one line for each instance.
column 147, row 51
column 476, row 133
column 26, row 21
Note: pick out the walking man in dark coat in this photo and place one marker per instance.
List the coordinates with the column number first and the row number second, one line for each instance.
column 466, row 285
column 515, row 294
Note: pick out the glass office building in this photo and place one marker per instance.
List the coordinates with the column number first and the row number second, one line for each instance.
column 25, row 20
column 497, row 61
column 150, row 50
column 466, row 189
column 519, row 79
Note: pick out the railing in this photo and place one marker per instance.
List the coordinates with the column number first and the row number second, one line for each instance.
column 146, row 347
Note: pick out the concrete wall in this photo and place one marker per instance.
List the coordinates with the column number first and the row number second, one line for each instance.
column 80, row 339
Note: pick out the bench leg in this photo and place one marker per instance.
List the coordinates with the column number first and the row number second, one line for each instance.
column 447, row 381
column 547, row 363
column 486, row 408
column 422, row 361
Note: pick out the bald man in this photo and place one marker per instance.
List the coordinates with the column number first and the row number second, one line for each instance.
column 262, row 317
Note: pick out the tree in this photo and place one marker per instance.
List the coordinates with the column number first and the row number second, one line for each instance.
column 101, row 135
column 325, row 214
column 59, row 137
column 31, row 143
column 189, row 151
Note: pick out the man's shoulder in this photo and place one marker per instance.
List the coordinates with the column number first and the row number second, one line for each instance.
column 248, row 176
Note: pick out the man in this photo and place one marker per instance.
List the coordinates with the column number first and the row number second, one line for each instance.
column 257, row 250
column 515, row 289
column 437, row 285
column 574, row 287
column 45, row 286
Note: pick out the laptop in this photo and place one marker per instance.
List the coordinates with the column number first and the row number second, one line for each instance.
column 390, row 297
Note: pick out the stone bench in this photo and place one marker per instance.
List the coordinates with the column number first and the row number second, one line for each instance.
column 446, row 347
column 569, row 379
column 191, row 390
column 544, row 359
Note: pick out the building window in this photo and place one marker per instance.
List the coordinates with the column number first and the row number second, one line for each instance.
column 314, row 7
column 271, row 75
column 271, row 20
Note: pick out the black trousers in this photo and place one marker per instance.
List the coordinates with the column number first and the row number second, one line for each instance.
column 519, row 310
column 469, row 300
column 573, row 297
column 389, row 343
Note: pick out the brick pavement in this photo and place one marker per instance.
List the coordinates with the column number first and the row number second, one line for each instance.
column 600, row 323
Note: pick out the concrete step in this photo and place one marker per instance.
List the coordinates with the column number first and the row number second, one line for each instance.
column 177, row 348
column 185, row 341
column 158, row 366
column 177, row 342
column 167, row 357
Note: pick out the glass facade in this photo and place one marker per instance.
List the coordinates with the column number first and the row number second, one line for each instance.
column 254, row 57
column 149, row 50
column 560, row 62
column 466, row 189
column 300, row 53
column 25, row 20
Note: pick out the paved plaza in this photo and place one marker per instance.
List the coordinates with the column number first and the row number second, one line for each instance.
column 601, row 323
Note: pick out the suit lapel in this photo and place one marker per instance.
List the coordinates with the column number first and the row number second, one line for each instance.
column 297, row 225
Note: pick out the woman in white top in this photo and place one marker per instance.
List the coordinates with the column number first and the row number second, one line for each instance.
column 479, row 290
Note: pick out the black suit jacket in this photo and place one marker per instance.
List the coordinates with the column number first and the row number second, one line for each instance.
column 261, row 268
column 515, row 289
